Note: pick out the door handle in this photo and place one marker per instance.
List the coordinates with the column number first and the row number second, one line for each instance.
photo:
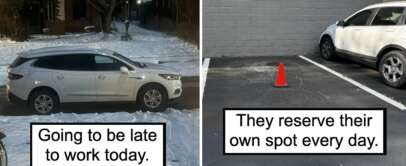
column 60, row 77
column 389, row 30
column 101, row 77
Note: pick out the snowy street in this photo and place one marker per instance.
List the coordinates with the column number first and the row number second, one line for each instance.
column 182, row 118
column 182, row 132
column 146, row 46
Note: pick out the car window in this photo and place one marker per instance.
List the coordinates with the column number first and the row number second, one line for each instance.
column 360, row 19
column 75, row 62
column 51, row 62
column 388, row 16
column 104, row 63
column 79, row 62
column 19, row 61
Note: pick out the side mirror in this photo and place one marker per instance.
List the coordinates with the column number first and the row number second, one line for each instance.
column 341, row 23
column 124, row 70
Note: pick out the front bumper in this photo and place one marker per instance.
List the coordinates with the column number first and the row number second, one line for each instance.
column 174, row 89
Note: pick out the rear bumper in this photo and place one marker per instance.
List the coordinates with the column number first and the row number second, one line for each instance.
column 13, row 98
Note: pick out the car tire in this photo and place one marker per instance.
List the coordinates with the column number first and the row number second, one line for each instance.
column 327, row 49
column 392, row 68
column 44, row 102
column 3, row 155
column 152, row 98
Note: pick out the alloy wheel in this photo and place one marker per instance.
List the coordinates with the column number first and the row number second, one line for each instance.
column 326, row 49
column 393, row 69
column 153, row 98
column 43, row 104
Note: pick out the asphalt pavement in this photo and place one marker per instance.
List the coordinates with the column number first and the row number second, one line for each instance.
column 188, row 100
column 248, row 83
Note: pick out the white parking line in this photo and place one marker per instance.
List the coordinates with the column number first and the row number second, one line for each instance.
column 203, row 76
column 359, row 85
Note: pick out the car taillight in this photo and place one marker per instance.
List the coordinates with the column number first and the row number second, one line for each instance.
column 13, row 76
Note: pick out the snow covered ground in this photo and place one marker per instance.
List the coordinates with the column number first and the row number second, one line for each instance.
column 182, row 132
column 146, row 46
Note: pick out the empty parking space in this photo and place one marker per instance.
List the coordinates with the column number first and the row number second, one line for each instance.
column 362, row 74
column 248, row 83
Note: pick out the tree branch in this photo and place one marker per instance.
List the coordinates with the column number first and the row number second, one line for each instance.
column 104, row 4
column 119, row 2
column 95, row 6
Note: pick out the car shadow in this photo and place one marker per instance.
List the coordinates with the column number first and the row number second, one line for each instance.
column 77, row 108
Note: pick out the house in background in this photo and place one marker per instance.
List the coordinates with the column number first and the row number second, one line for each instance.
column 60, row 16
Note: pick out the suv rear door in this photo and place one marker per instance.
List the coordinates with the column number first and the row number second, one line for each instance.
column 384, row 28
column 73, row 75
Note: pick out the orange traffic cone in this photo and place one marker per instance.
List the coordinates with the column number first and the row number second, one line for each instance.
column 281, row 77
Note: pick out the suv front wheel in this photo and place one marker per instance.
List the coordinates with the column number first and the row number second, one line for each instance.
column 327, row 49
column 392, row 69
column 44, row 102
column 152, row 98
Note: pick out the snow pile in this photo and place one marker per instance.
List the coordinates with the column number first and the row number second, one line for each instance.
column 6, row 40
column 182, row 132
column 145, row 46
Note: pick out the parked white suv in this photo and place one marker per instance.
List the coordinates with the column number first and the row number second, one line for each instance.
column 48, row 76
column 375, row 36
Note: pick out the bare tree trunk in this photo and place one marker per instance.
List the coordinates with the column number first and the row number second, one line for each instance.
column 108, row 17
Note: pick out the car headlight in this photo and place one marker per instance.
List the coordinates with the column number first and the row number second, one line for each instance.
column 170, row 76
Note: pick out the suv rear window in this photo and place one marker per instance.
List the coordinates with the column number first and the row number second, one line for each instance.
column 51, row 62
column 76, row 62
column 19, row 61
column 388, row 16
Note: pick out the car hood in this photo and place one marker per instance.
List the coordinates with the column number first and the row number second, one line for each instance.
column 331, row 31
column 332, row 27
column 160, row 68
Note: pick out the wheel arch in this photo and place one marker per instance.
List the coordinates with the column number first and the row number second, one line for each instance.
column 40, row 88
column 325, row 36
column 386, row 49
column 150, row 84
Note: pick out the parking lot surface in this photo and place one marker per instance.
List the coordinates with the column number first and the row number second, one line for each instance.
column 248, row 83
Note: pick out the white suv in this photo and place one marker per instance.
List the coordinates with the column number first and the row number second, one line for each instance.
column 48, row 76
column 376, row 36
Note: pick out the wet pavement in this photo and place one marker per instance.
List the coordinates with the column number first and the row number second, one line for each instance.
column 248, row 83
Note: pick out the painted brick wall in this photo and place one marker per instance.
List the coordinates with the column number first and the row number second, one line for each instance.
column 270, row 27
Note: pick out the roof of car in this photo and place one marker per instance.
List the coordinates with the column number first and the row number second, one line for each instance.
column 63, row 50
column 388, row 4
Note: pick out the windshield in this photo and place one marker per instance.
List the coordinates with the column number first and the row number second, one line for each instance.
column 138, row 64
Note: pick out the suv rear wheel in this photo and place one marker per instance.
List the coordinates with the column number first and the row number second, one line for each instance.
column 44, row 102
column 152, row 98
column 392, row 69
column 327, row 49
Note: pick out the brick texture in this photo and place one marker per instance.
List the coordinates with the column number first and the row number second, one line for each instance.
column 237, row 28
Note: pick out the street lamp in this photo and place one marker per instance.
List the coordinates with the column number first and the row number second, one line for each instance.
column 126, row 35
